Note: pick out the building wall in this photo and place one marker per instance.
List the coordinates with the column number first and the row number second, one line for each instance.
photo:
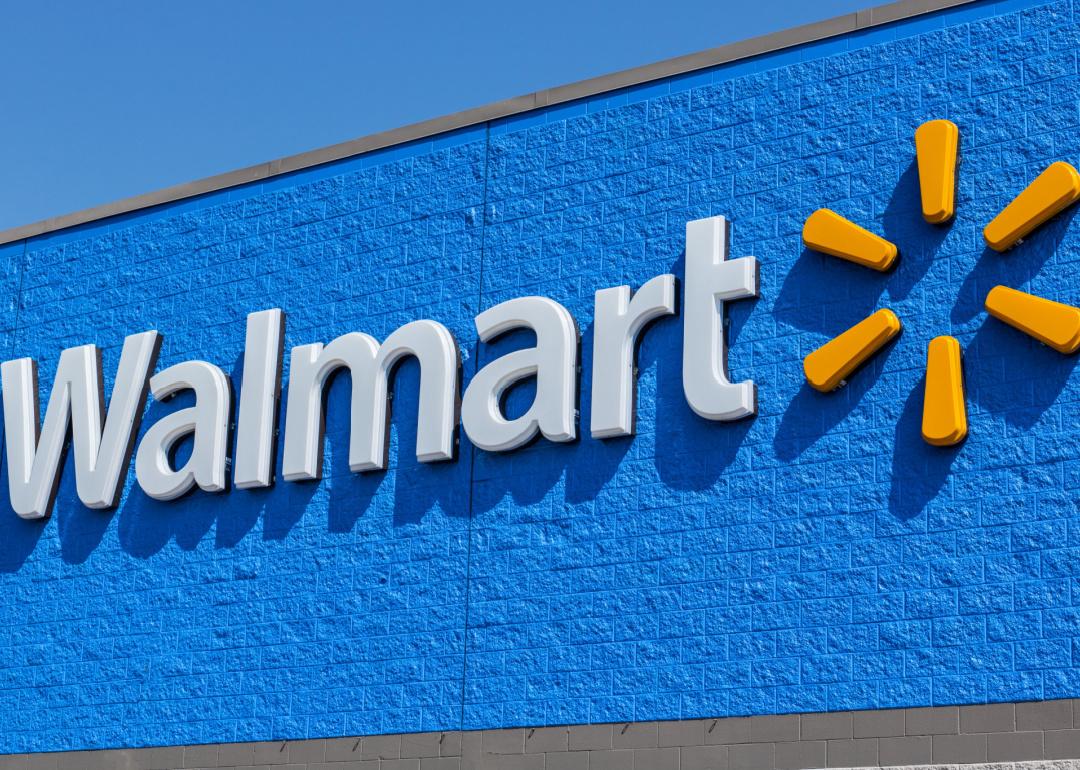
column 817, row 558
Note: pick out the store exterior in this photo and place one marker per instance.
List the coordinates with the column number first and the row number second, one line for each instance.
column 506, row 440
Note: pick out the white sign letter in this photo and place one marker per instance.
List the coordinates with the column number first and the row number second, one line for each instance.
column 619, row 321
column 259, row 399
column 553, row 362
column 712, row 280
column 102, row 453
column 370, row 365
column 208, row 420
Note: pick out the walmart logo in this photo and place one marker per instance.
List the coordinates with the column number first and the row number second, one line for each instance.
column 944, row 416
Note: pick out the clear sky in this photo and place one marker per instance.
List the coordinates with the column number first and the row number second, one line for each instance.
column 103, row 100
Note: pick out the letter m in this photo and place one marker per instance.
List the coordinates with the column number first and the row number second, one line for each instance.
column 102, row 446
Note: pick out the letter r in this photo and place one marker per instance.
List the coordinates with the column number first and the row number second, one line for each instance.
column 711, row 280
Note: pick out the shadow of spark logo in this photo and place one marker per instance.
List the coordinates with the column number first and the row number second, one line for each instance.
column 944, row 415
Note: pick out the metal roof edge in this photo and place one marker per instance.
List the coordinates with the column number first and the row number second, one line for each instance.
column 772, row 42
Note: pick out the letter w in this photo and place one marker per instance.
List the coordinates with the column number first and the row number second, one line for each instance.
column 102, row 449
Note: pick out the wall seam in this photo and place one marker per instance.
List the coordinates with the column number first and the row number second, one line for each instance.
column 461, row 428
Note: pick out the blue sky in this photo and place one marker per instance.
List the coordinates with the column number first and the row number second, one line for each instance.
column 103, row 100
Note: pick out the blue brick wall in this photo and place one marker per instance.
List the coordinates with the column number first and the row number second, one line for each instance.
column 817, row 557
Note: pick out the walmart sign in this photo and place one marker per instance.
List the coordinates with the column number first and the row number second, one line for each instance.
column 103, row 440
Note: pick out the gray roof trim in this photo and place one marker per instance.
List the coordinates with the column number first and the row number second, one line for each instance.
column 808, row 33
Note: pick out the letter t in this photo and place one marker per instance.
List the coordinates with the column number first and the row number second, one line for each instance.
column 712, row 280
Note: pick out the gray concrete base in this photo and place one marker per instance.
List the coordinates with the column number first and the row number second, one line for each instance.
column 1004, row 736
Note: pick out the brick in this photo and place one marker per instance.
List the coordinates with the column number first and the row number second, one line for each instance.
column 399, row 764
column 941, row 720
column 586, row 737
column 1044, row 715
column 959, row 748
column 520, row 762
column 166, row 758
column 1014, row 746
column 909, row 750
column 656, row 759
column 751, row 756
column 703, row 758
column 991, row 718
column 690, row 732
column 733, row 730
column 878, row 724
column 1061, row 744
column 471, row 750
column 440, row 763
column 503, row 741
column 612, row 759
column 822, row 726
column 46, row 762
column 774, row 728
column 307, row 751
column 570, row 760
column 861, row 752
column 236, row 754
column 420, row 745
column 799, row 755
column 381, row 747
column 343, row 749
column 271, row 752
column 541, row 739
column 635, row 735
column 201, row 756
column 450, row 744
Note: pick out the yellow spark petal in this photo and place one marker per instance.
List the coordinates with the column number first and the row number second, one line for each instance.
column 828, row 232
column 1051, row 323
column 944, row 420
column 830, row 364
column 1054, row 190
column 936, row 142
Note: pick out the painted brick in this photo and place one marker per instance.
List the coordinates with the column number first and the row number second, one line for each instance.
column 420, row 745
column 932, row 721
column 799, row 755
column 1014, row 747
column 735, row 730
column 687, row 733
column 861, row 752
column 656, row 759
column 819, row 557
column 1061, row 744
column 635, row 735
column 1047, row 715
column 703, row 757
column 544, row 739
column 585, row 737
column 909, row 750
column 819, row 726
column 754, row 756
column 995, row 717
column 614, row 759
column 876, row 724
column 571, row 760
column 959, row 748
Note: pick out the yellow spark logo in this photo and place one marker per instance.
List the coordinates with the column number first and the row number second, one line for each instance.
column 944, row 418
